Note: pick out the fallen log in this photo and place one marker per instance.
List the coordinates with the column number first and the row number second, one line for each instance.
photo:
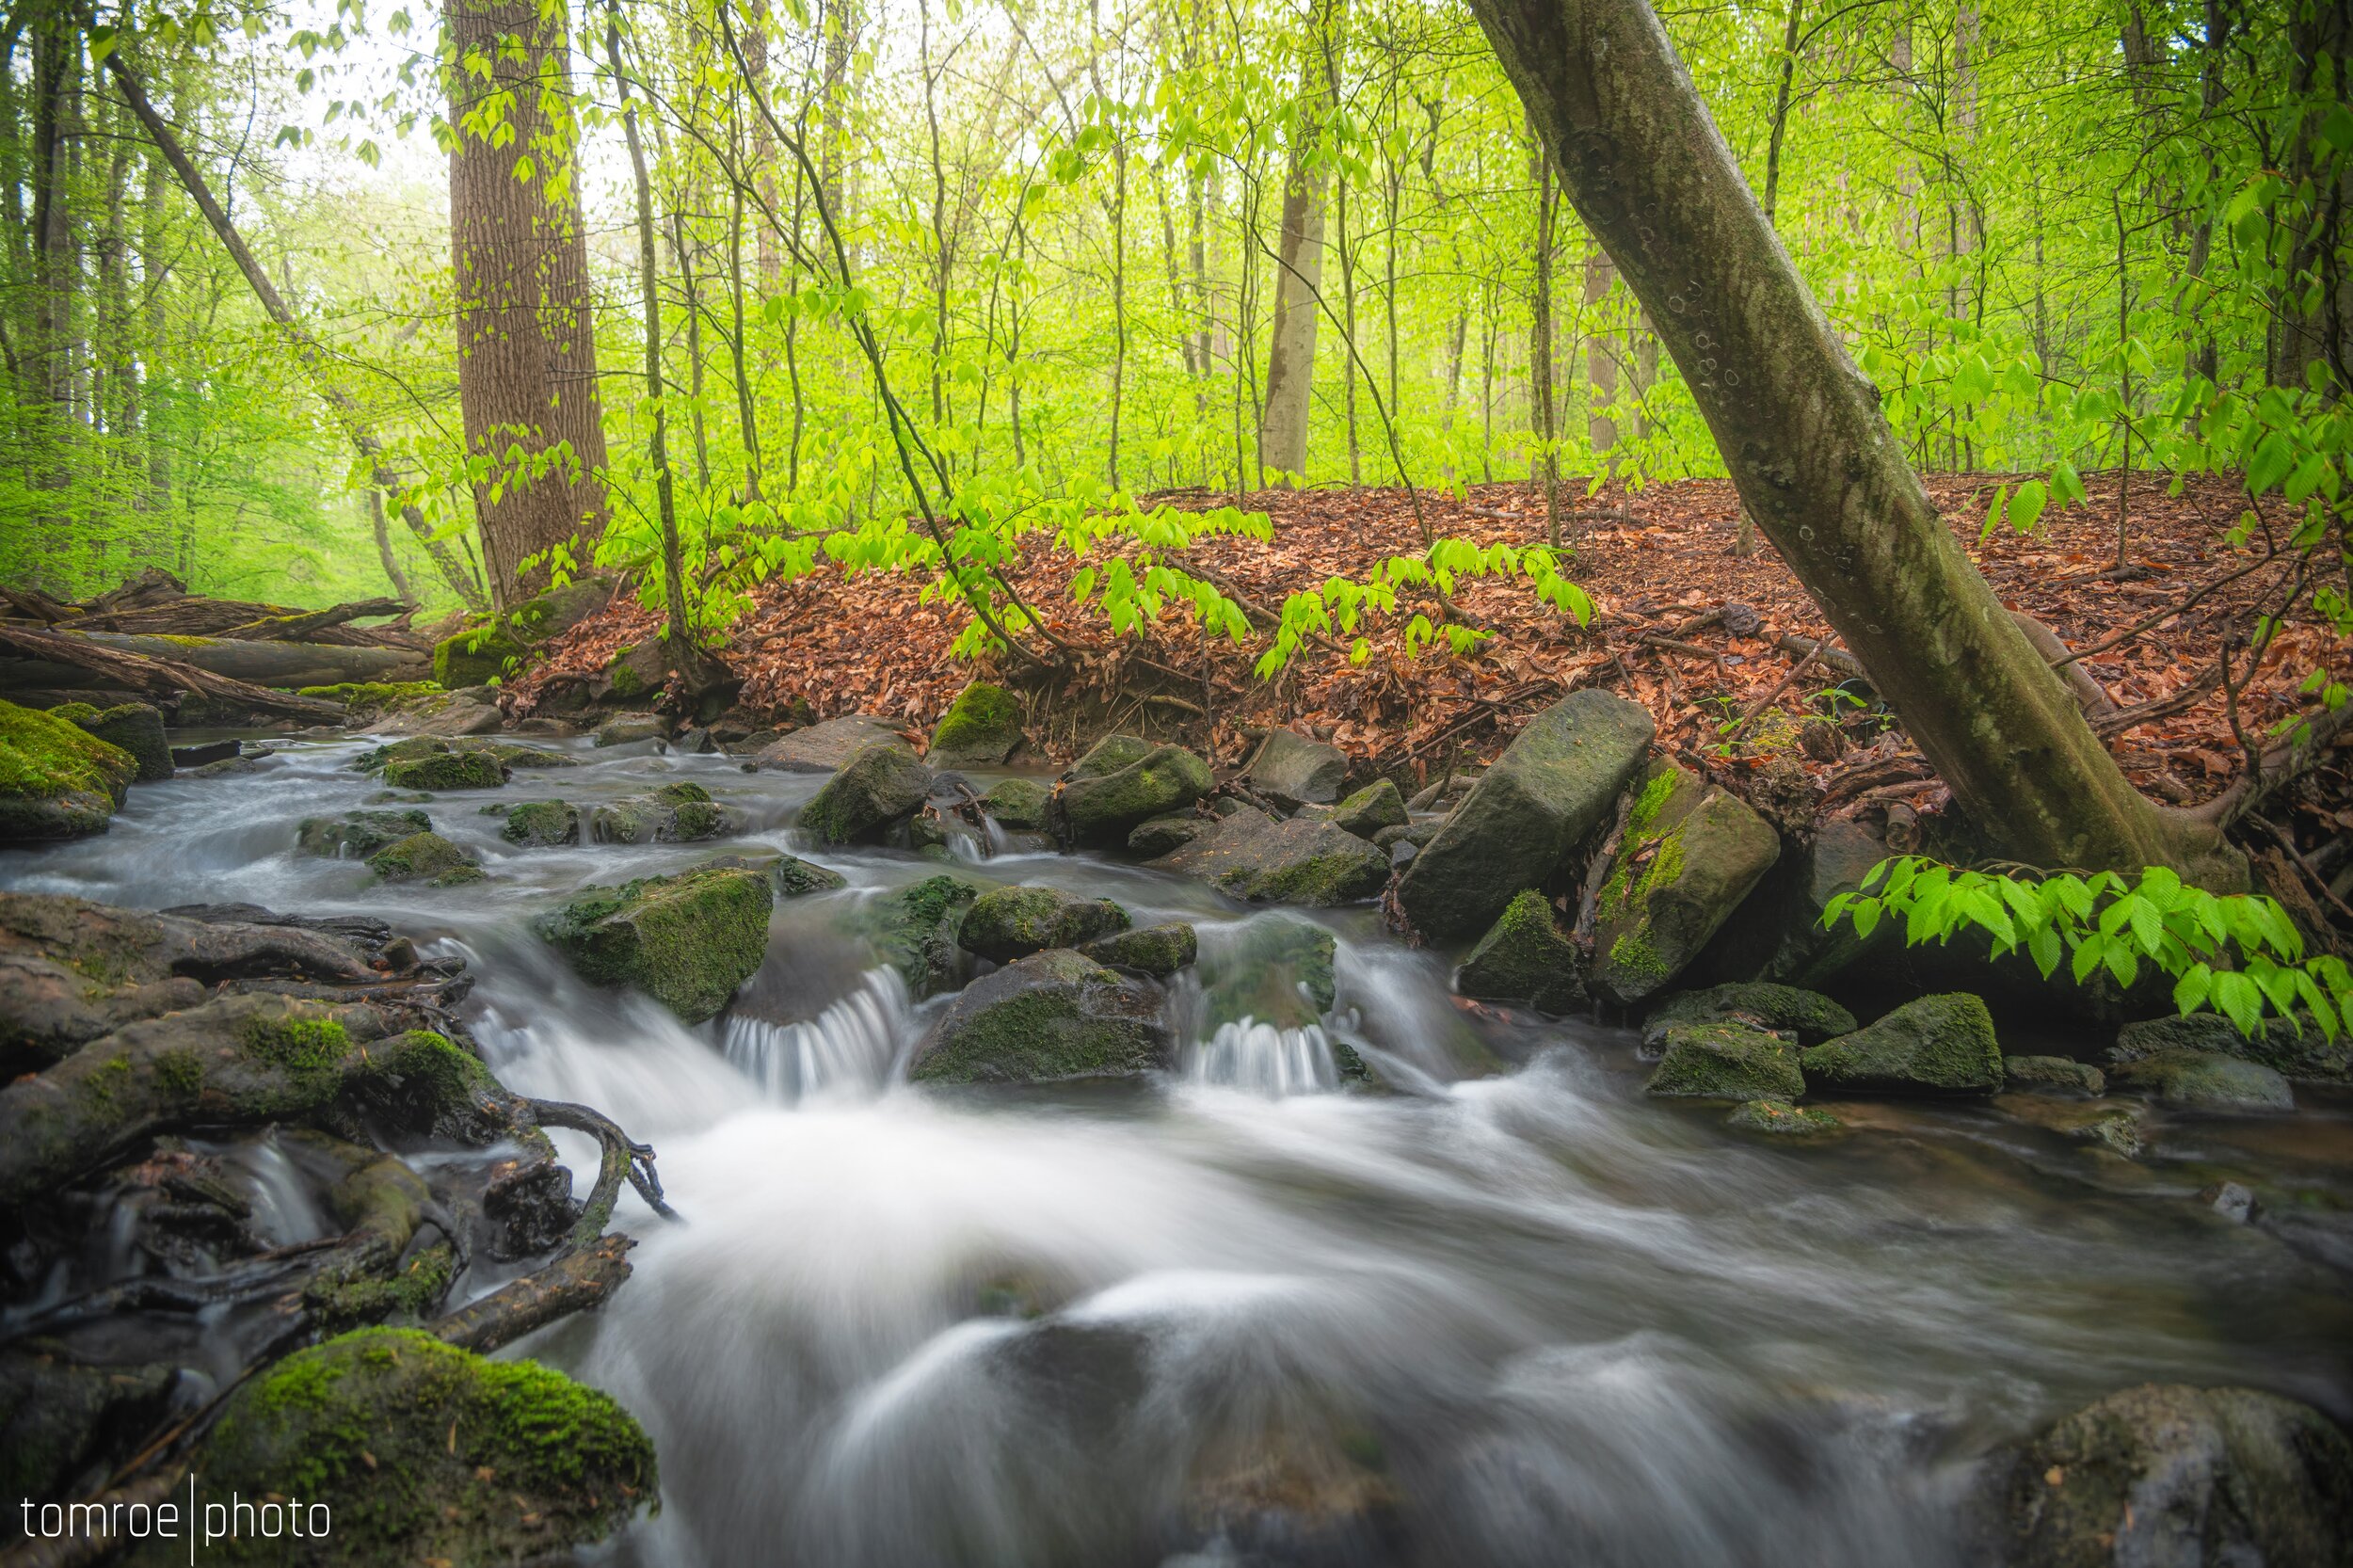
column 257, row 663
column 298, row 625
column 53, row 651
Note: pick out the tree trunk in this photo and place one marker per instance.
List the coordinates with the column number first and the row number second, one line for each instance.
column 526, row 341
column 1802, row 433
column 1601, row 365
column 1290, row 365
column 1545, row 469
column 283, row 665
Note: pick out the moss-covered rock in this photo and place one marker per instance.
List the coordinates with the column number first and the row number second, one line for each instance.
column 981, row 729
column 1689, row 855
column 2052, row 1072
column 1164, row 835
column 1124, row 781
column 1525, row 957
column 677, row 813
column 1017, row 802
column 687, row 940
column 1297, row 769
column 877, row 787
column 59, row 1417
column 1809, row 1015
column 1726, row 1061
column 356, row 835
column 2293, row 1047
column 1550, row 789
column 792, row 876
column 1780, row 1119
column 624, row 730
column 828, row 746
column 2203, row 1080
column 419, row 1451
column 1158, row 951
column 1370, row 809
column 2111, row 1124
column 477, row 656
column 2163, row 1474
column 1007, row 924
column 914, row 928
column 1252, row 856
column 1050, row 1018
column 368, row 699
column 56, row 781
column 426, row 857
column 446, row 770
column 541, row 825
column 1941, row 1045
column 133, row 726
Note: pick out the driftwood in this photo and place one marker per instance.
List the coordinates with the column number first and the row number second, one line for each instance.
column 261, row 663
column 156, row 677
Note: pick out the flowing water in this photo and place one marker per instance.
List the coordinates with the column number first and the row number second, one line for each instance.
column 1509, row 1312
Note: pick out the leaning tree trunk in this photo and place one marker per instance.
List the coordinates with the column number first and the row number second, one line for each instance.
column 526, row 341
column 1802, row 431
column 1290, row 366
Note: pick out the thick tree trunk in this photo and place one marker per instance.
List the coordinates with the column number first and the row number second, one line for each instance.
column 1813, row 457
column 2316, row 301
column 526, row 340
column 1290, row 366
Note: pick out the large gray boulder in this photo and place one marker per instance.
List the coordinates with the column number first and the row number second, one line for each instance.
column 1123, row 782
column 1007, row 924
column 825, row 747
column 2164, row 1476
column 1689, row 855
column 2203, row 1080
column 1556, row 783
column 1293, row 770
column 1047, row 1018
column 2304, row 1054
column 1252, row 856
column 1941, row 1045
column 876, row 787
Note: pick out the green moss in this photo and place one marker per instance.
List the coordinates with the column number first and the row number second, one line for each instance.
column 1940, row 1044
column 74, row 714
column 373, row 694
column 476, row 656
column 541, row 822
column 1017, row 802
column 1158, row 951
column 1124, row 781
column 184, row 641
column 1050, row 1018
column 983, row 724
column 1526, row 958
column 1279, row 972
column 1007, row 924
column 303, row 1044
column 1726, row 1061
column 358, row 834
column 425, row 857
column 353, row 1299
column 915, row 929
column 55, row 780
column 687, row 940
column 107, row 1081
column 1780, row 1119
column 1813, row 1015
column 792, row 878
column 456, row 770
column 875, row 788
column 179, row 1074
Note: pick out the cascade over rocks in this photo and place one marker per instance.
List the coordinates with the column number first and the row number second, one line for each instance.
column 1122, row 782
column 356, row 835
column 1526, row 957
column 687, row 940
column 1017, row 802
column 828, row 746
column 1556, row 784
column 540, row 824
column 1294, row 769
column 1941, row 1045
column 1007, row 924
column 1050, row 1018
column 1689, row 854
column 879, row 785
column 1252, row 856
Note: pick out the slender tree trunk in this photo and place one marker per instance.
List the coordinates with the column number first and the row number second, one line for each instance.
column 746, row 406
column 392, row 574
column 1347, row 321
column 692, row 301
column 1545, row 466
column 1601, row 364
column 1299, row 273
column 1803, row 433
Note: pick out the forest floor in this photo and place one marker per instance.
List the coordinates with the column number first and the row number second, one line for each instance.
column 1669, row 633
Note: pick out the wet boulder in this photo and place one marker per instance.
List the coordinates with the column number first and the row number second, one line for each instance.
column 879, row 786
column 133, row 726
column 687, row 940
column 1164, row 835
column 55, row 780
column 826, row 748
column 1556, row 783
column 980, row 730
column 792, row 876
column 1940, row 1044
column 2203, row 1080
column 915, row 930
column 1689, row 854
column 426, row 857
column 1780, row 1119
column 1050, row 1018
column 1372, row 810
column 2165, row 1476
column 1158, row 951
column 2113, row 1125
column 678, row 813
column 59, row 1417
column 2048, row 1073
column 1812, row 1016
column 2293, row 1047
column 419, row 1451
column 1726, row 1061
column 1017, row 802
column 1007, row 924
column 446, row 770
column 356, row 835
column 1803, row 951
column 1253, row 856
column 1124, row 781
column 541, row 825
column 1526, row 957
column 624, row 730
column 1293, row 770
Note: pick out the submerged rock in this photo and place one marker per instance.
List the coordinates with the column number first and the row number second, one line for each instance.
column 1689, row 855
column 1017, row 802
column 133, row 726
column 1295, row 770
column 1124, row 781
column 2304, row 1053
column 792, row 876
column 1278, row 971
column 1726, row 1061
column 2203, row 1080
column 1812, row 1016
column 980, row 730
column 55, row 781
column 426, row 857
column 1007, row 924
column 1252, row 856
column 914, row 928
column 1050, row 1018
column 826, row 747
column 1780, row 1119
column 678, row 813
column 2163, row 1476
column 876, row 787
column 1555, row 784
column 1941, row 1045
column 356, row 835
column 1526, row 957
column 421, row 1451
column 2052, row 1072
column 687, row 940
column 1158, row 951
column 541, row 825
column 623, row 729
column 2112, row 1124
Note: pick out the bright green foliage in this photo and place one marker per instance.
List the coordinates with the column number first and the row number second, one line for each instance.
column 2237, row 953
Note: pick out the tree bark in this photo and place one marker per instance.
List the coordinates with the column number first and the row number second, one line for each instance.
column 1811, row 452
column 526, row 340
column 1290, row 365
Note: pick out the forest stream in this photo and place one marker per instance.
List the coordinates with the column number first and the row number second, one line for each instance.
column 1494, row 1308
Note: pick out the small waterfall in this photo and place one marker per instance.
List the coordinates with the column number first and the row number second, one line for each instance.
column 851, row 1045
column 1265, row 1059
column 283, row 1209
